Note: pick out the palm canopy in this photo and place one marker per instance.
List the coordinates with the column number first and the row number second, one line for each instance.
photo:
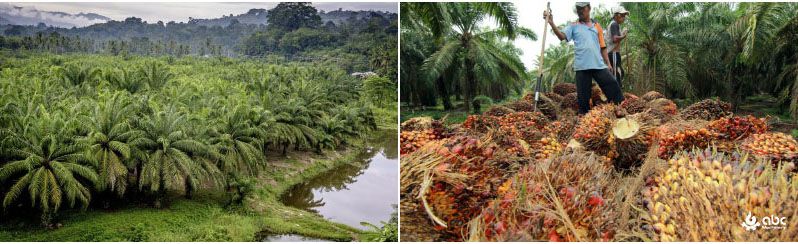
column 110, row 134
column 470, row 57
column 48, row 166
column 174, row 161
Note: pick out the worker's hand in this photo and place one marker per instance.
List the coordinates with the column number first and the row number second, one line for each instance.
column 548, row 17
column 609, row 67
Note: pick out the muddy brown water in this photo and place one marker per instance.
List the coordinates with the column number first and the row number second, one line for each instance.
column 365, row 190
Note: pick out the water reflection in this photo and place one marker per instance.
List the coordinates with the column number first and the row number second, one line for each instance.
column 362, row 190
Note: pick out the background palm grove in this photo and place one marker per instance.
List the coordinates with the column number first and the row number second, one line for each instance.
column 136, row 131
column 739, row 52
column 706, row 130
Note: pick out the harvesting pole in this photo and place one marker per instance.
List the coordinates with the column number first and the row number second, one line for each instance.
column 542, row 52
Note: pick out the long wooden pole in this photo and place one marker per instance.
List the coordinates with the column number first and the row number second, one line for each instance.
column 542, row 52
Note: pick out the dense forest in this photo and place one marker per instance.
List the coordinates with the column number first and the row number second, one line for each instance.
column 358, row 40
column 133, row 126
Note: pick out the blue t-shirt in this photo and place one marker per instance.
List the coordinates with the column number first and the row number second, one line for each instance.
column 588, row 41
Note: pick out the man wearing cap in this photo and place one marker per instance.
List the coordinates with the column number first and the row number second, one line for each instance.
column 614, row 38
column 590, row 56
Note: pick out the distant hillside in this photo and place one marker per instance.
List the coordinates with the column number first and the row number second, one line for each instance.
column 259, row 16
column 15, row 15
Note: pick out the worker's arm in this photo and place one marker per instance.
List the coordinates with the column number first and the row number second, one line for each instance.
column 550, row 20
column 617, row 35
column 617, row 39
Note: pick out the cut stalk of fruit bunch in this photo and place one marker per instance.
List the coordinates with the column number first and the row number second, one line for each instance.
column 630, row 139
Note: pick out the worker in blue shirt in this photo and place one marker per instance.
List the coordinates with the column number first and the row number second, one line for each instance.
column 590, row 56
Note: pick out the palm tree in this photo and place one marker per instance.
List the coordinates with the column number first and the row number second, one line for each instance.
column 174, row 161
column 109, row 141
column 124, row 80
column 155, row 74
column 471, row 51
column 234, row 139
column 76, row 75
column 48, row 166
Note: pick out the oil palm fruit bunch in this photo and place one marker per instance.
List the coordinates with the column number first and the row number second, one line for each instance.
column 498, row 110
column 629, row 141
column 546, row 147
column 569, row 101
column 421, row 123
column 561, row 129
column 707, row 109
column 545, row 105
column 557, row 98
column 651, row 96
column 480, row 123
column 627, row 95
column 460, row 184
column 737, row 128
column 593, row 128
column 702, row 185
column 777, row 146
column 412, row 140
column 664, row 105
column 418, row 131
column 633, row 104
column 522, row 120
column 672, row 142
column 564, row 88
column 579, row 183
column 521, row 106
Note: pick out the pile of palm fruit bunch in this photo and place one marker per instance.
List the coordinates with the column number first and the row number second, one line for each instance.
column 418, row 131
column 640, row 170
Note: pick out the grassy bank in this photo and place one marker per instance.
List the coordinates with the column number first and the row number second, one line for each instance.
column 204, row 218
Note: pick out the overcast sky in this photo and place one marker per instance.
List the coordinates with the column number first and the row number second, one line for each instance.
column 530, row 15
column 180, row 11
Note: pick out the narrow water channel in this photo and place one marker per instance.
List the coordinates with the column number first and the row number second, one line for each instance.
column 365, row 190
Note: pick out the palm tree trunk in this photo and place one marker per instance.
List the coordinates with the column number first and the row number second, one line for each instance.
column 468, row 90
column 444, row 93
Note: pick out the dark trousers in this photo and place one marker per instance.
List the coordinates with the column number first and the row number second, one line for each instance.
column 605, row 80
column 618, row 72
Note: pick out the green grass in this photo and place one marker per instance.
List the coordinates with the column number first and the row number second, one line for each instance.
column 202, row 219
